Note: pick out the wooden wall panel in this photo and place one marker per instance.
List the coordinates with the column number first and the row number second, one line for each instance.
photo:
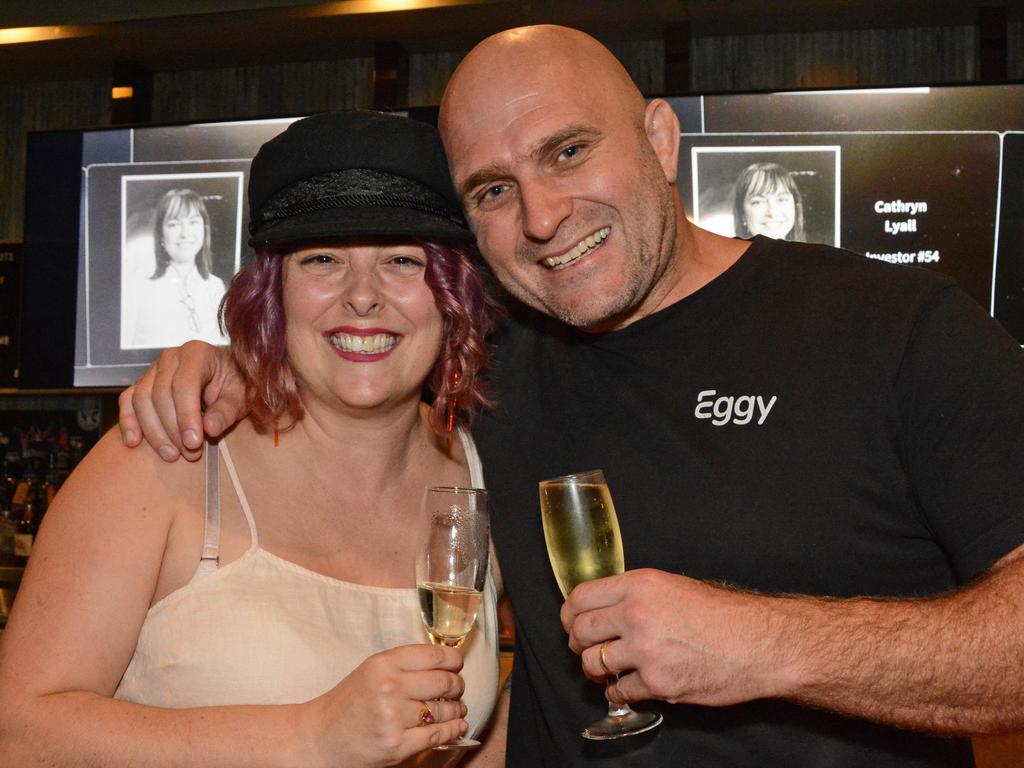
column 835, row 59
column 40, row 106
column 428, row 75
column 748, row 62
column 645, row 62
column 265, row 90
column 1015, row 50
column 429, row 72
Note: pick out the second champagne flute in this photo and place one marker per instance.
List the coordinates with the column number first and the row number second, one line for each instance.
column 582, row 536
column 451, row 568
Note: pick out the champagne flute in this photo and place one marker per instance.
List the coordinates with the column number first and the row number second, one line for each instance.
column 451, row 568
column 582, row 536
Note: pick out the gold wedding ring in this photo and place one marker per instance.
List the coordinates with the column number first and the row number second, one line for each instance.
column 426, row 716
column 604, row 663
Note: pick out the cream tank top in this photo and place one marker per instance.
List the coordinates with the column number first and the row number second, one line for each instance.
column 264, row 630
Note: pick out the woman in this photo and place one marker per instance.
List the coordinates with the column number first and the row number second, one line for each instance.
column 147, row 634
column 179, row 301
column 768, row 202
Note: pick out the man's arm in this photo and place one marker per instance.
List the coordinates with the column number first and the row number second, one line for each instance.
column 952, row 664
column 189, row 390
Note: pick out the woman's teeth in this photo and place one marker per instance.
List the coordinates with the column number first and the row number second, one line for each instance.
column 581, row 248
column 363, row 345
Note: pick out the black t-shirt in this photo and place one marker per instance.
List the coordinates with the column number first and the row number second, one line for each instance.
column 809, row 422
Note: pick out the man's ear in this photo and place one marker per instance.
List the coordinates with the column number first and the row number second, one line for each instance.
column 662, row 128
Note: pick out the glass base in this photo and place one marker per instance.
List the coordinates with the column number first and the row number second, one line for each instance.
column 462, row 743
column 621, row 725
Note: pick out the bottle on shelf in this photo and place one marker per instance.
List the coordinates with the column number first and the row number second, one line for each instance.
column 7, row 531
column 48, row 488
column 25, row 534
column 11, row 471
column 34, row 463
column 27, row 507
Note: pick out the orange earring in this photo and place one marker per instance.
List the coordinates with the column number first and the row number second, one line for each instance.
column 452, row 404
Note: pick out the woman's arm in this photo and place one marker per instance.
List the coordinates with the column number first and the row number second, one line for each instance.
column 73, row 629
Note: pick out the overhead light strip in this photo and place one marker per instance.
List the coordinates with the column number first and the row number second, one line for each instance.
column 15, row 35
column 347, row 7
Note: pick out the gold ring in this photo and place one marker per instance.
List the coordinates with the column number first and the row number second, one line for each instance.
column 426, row 716
column 604, row 663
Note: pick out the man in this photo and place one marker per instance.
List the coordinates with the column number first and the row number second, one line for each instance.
column 829, row 450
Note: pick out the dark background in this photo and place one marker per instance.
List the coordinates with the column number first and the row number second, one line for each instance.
column 1009, row 293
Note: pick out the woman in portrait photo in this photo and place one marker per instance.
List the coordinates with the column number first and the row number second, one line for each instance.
column 180, row 299
column 768, row 202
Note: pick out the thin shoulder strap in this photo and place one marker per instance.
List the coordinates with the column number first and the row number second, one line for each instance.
column 473, row 463
column 476, row 479
column 240, row 494
column 211, row 528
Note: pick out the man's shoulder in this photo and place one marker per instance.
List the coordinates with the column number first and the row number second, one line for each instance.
column 826, row 262
column 813, row 273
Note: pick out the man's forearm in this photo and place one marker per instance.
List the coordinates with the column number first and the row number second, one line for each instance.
column 950, row 665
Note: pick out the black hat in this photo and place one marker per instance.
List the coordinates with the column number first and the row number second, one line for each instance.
column 351, row 174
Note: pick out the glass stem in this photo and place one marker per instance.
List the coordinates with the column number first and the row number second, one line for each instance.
column 615, row 710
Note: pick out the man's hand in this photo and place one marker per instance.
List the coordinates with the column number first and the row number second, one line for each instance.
column 948, row 664
column 165, row 406
column 672, row 638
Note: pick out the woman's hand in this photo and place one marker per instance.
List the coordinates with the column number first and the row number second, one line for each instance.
column 375, row 716
column 165, row 406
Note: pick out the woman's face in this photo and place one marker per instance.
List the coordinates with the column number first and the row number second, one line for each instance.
column 363, row 329
column 182, row 235
column 770, row 213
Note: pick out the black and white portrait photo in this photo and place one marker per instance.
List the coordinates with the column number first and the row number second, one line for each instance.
column 782, row 192
column 180, row 242
column 162, row 233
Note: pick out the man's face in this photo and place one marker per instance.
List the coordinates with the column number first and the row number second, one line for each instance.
column 571, row 205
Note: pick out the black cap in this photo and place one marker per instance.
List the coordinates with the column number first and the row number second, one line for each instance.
column 352, row 174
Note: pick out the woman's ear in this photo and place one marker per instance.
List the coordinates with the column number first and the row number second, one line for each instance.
column 662, row 128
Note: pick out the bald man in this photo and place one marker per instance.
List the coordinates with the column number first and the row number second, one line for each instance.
column 817, row 460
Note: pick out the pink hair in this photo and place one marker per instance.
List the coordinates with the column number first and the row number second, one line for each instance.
column 253, row 315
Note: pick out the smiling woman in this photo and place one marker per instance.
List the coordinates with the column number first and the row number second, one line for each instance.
column 294, row 588
column 360, row 227
column 332, row 298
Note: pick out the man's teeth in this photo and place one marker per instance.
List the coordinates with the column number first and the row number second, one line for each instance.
column 582, row 247
column 364, row 345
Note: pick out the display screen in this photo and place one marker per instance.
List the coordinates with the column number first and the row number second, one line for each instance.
column 163, row 230
column 927, row 177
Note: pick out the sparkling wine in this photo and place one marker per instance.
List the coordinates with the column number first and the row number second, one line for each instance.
column 581, row 532
column 448, row 612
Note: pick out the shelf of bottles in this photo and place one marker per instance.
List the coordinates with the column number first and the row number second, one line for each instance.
column 43, row 436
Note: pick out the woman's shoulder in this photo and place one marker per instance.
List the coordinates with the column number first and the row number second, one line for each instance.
column 115, row 480
column 115, row 456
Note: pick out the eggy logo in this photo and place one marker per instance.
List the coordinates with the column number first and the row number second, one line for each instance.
column 738, row 410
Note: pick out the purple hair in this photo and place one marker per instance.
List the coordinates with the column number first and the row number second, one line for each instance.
column 253, row 314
